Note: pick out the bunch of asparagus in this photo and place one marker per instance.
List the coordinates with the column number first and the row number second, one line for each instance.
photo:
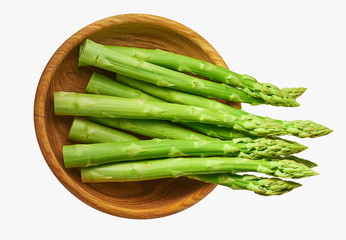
column 155, row 121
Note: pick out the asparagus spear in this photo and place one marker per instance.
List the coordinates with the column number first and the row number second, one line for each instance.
column 172, row 95
column 298, row 128
column 279, row 148
column 100, row 84
column 100, row 56
column 80, row 104
column 83, row 155
column 268, row 92
column 177, row 167
column 153, row 128
column 259, row 185
column 217, row 132
column 86, row 131
column 254, row 126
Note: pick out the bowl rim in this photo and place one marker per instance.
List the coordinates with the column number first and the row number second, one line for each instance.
column 40, row 118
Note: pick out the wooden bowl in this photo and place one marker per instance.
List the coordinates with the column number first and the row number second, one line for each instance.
column 136, row 200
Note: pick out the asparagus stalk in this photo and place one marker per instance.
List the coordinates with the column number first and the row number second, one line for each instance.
column 259, row 185
column 262, row 186
column 153, row 128
column 255, row 126
column 217, row 132
column 100, row 56
column 174, row 96
column 268, row 92
column 298, row 128
column 84, row 155
column 279, row 148
column 86, row 131
column 100, row 84
column 80, row 104
column 177, row 167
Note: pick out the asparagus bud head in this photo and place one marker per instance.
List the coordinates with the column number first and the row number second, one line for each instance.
column 305, row 128
column 289, row 169
column 271, row 94
column 294, row 92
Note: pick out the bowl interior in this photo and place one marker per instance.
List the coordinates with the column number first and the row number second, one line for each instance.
column 147, row 199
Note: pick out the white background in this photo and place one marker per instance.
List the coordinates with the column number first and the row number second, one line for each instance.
column 288, row 43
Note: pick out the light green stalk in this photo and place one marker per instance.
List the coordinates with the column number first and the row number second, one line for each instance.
column 268, row 92
column 84, row 155
column 177, row 167
column 174, row 96
column 217, row 132
column 153, row 128
column 100, row 56
column 298, row 128
column 262, row 186
column 254, row 125
column 80, row 104
column 100, row 84
column 259, row 185
column 86, row 131
column 281, row 149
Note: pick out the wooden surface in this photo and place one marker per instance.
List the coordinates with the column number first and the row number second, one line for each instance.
column 137, row 200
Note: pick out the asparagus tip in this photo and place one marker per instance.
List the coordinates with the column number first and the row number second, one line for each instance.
column 294, row 92
column 275, row 186
column 291, row 169
column 306, row 128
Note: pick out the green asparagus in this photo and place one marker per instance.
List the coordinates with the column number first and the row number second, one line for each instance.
column 81, row 104
column 115, row 156
column 100, row 56
column 268, row 92
column 304, row 128
column 177, row 167
column 217, row 132
column 84, row 155
column 260, row 185
column 306, row 162
column 281, row 149
column 298, row 128
column 153, row 128
column 100, row 84
column 86, row 131
column 294, row 92
column 255, row 126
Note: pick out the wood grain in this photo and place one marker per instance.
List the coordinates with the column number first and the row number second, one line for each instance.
column 136, row 200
